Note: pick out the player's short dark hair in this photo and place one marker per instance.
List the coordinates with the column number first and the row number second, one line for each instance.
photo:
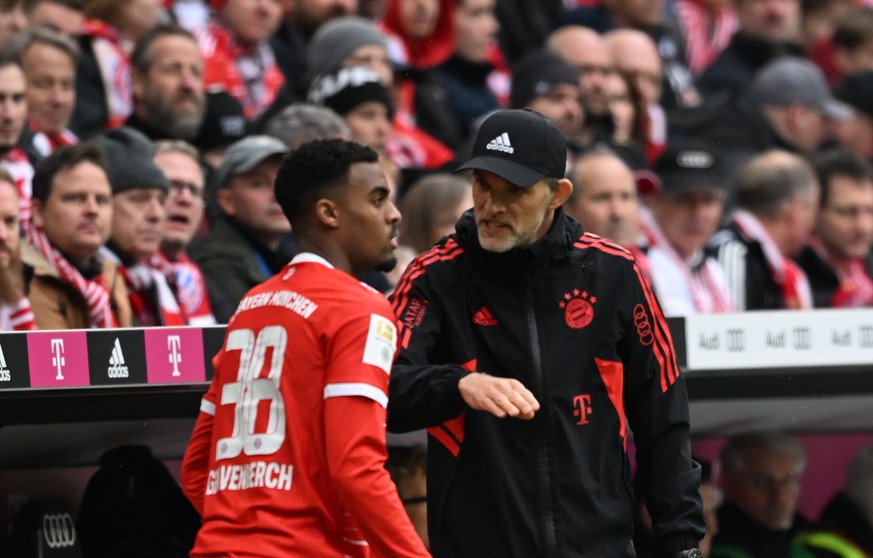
column 65, row 158
column 313, row 168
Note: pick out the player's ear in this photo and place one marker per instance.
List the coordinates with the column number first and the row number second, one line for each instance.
column 326, row 213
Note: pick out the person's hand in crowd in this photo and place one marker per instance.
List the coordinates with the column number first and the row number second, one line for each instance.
column 501, row 397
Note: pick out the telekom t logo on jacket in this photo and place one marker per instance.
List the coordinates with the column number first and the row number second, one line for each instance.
column 582, row 407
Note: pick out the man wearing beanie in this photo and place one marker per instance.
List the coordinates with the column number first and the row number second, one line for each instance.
column 139, row 192
column 360, row 98
column 530, row 455
column 71, row 285
column 359, row 95
column 544, row 82
column 345, row 42
column 249, row 241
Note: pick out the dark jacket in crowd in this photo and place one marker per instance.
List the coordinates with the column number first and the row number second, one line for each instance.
column 572, row 319
column 90, row 114
column 823, row 279
column 733, row 69
column 467, row 91
column 744, row 257
column 739, row 536
column 233, row 262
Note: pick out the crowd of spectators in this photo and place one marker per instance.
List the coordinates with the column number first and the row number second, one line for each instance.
column 746, row 127
column 727, row 144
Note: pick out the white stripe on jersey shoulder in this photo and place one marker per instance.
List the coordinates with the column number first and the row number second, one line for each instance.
column 309, row 257
column 207, row 407
column 356, row 389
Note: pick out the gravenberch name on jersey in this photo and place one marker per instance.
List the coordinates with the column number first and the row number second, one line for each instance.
column 257, row 474
column 291, row 300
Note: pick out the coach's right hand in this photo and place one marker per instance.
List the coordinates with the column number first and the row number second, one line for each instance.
column 501, row 397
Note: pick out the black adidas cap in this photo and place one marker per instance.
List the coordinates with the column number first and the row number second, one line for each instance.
column 520, row 146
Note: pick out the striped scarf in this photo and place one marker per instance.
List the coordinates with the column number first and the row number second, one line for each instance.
column 705, row 35
column 16, row 162
column 17, row 316
column 151, row 300
column 187, row 282
column 93, row 290
column 796, row 292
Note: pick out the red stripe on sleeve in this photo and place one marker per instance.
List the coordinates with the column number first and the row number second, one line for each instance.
column 445, row 439
column 663, row 346
column 612, row 374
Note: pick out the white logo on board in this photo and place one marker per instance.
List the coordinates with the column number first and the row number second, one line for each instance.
column 5, row 374
column 117, row 366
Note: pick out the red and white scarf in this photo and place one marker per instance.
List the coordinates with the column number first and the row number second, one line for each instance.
column 249, row 74
column 143, row 285
column 796, row 292
column 855, row 289
column 47, row 143
column 17, row 316
column 18, row 165
column 189, row 286
column 114, row 62
column 705, row 35
column 93, row 290
column 683, row 289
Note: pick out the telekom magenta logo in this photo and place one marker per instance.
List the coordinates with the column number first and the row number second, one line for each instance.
column 174, row 355
column 58, row 359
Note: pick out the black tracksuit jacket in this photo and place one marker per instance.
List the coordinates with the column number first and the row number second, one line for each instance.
column 572, row 319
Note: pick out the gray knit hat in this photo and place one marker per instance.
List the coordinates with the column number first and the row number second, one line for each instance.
column 336, row 40
column 130, row 160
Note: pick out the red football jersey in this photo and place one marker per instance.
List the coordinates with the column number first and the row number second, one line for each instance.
column 287, row 458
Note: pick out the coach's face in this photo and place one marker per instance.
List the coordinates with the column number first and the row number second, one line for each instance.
column 508, row 216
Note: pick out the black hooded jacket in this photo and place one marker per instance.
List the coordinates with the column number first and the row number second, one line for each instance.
column 571, row 318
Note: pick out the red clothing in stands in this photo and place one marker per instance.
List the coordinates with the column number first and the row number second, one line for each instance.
column 288, row 454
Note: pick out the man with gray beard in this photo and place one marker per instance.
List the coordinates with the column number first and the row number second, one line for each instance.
column 167, row 77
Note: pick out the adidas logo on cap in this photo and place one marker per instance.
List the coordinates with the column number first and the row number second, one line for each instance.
column 501, row 143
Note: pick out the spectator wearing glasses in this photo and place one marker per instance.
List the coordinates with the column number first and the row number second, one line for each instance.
column 178, row 161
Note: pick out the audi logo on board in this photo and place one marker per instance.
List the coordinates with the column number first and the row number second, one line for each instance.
column 59, row 530
column 736, row 340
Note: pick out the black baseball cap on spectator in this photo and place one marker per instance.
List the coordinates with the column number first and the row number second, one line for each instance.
column 690, row 167
column 224, row 122
column 345, row 89
column 521, row 146
column 537, row 74
column 856, row 90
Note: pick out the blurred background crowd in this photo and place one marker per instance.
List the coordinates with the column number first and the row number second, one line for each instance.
column 726, row 143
